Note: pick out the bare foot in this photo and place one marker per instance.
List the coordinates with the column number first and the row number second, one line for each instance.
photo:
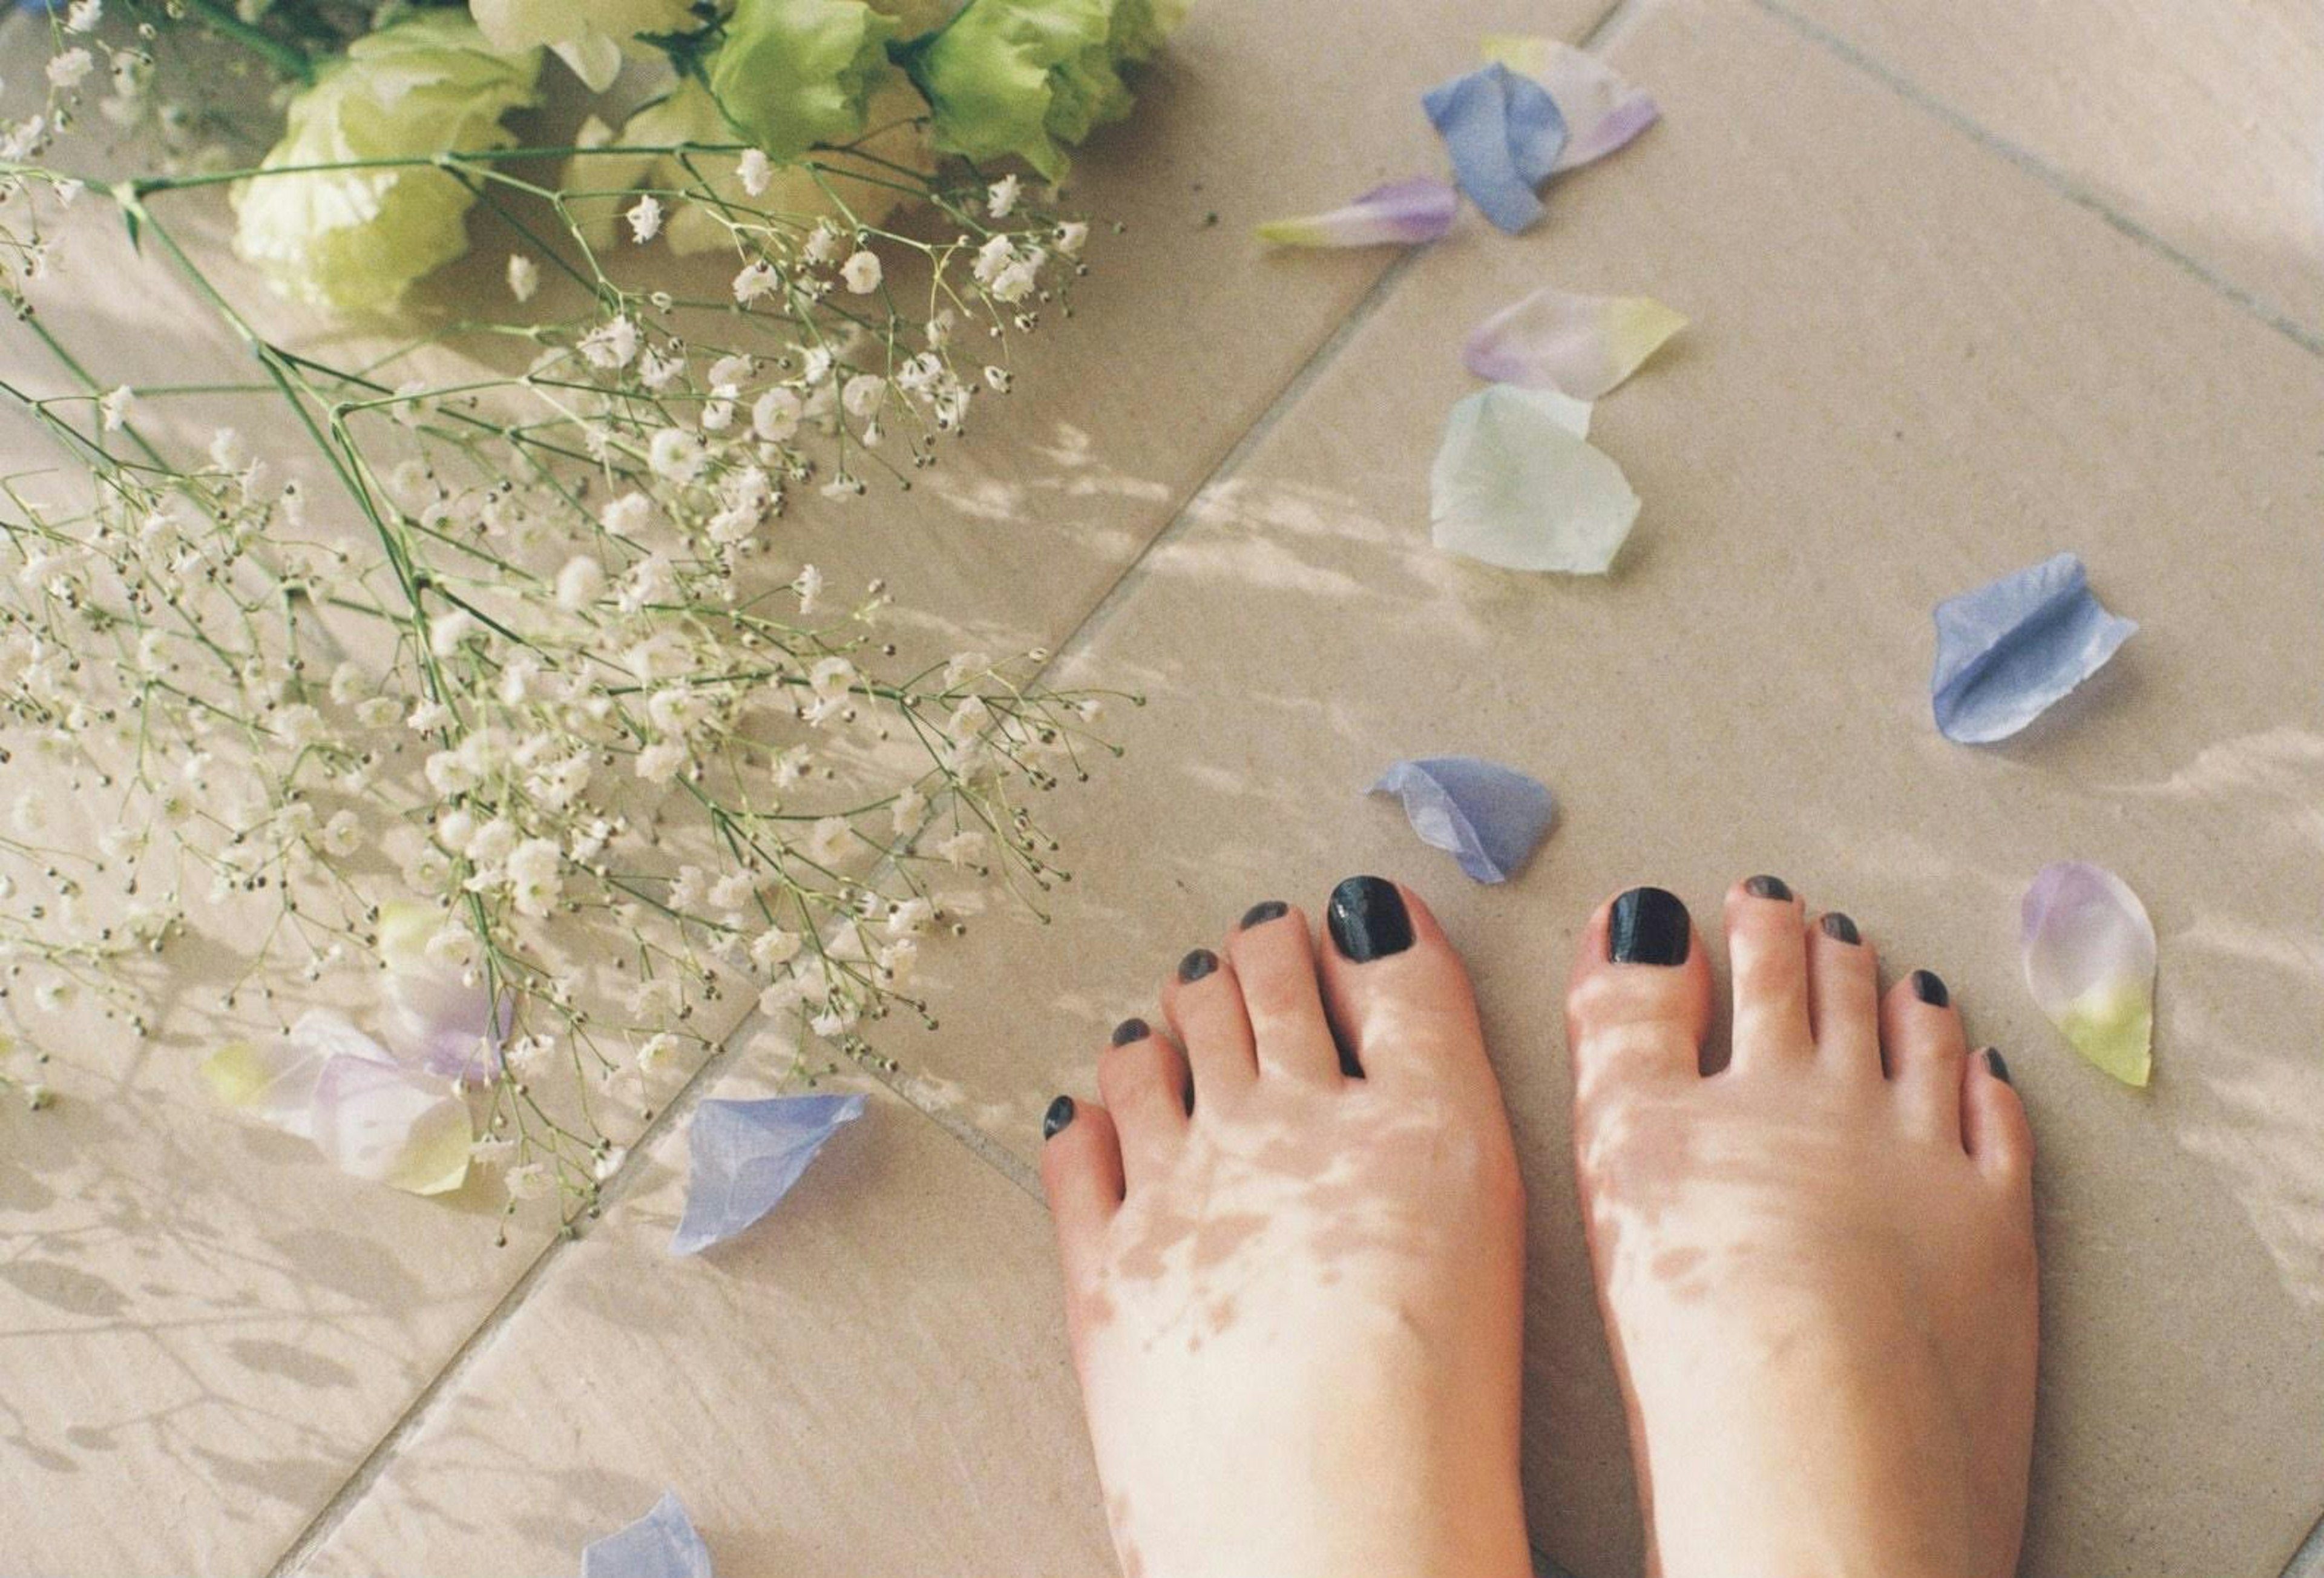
column 1817, row 1265
column 1295, row 1311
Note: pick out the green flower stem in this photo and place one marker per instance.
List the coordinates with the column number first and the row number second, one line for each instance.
column 287, row 59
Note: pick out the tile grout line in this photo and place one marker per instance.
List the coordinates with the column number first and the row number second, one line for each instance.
column 2057, row 180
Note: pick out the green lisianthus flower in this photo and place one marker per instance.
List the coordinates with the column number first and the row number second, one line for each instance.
column 1014, row 77
column 357, row 237
column 794, row 73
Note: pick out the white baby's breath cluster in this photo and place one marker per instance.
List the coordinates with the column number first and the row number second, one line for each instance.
column 527, row 645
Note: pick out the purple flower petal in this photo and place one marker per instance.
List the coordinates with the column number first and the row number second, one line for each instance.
column 1505, row 135
column 1487, row 816
column 746, row 1156
column 2089, row 956
column 2008, row 652
column 1602, row 110
column 1579, row 345
column 661, row 1545
column 377, row 1120
column 428, row 1015
column 1403, row 213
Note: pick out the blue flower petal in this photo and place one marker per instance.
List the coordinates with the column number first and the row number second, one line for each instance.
column 1487, row 816
column 1504, row 133
column 746, row 1157
column 661, row 1545
column 2007, row 653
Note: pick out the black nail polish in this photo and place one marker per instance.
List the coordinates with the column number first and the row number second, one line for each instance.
column 1648, row 926
column 1998, row 1064
column 1367, row 920
column 1197, row 965
column 1060, row 1113
column 1841, row 929
column 1129, row 1031
column 1929, row 989
column 1770, row 888
column 1260, row 914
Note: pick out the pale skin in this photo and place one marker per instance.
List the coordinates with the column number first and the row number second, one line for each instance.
column 1297, row 1311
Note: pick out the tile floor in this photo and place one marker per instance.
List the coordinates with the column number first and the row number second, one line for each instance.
column 1969, row 285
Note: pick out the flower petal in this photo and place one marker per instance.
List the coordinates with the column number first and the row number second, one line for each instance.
column 1505, row 135
column 429, row 1016
column 1517, row 485
column 1579, row 345
column 746, row 1156
column 2089, row 963
column 661, row 1545
column 274, row 1081
column 1602, row 110
column 1487, row 816
column 1403, row 213
column 376, row 1120
column 2008, row 652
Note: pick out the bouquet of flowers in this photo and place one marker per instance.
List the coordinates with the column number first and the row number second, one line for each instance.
column 494, row 680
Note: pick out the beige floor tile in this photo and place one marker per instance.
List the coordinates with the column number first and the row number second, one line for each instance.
column 1912, row 367
column 873, row 1380
column 2197, row 120
column 203, row 1320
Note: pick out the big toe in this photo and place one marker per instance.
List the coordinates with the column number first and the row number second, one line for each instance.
column 1395, row 990
column 1638, row 1005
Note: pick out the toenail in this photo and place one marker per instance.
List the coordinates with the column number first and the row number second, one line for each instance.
column 1129, row 1031
column 1060, row 1113
column 1929, row 989
column 1648, row 926
column 1998, row 1064
column 1841, row 929
column 1367, row 920
column 1768, row 887
column 1260, row 914
column 1197, row 965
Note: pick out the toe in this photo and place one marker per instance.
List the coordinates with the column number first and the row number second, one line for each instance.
column 1395, row 988
column 1921, row 1037
column 1274, row 963
column 1767, row 950
column 1205, row 1006
column 1142, row 1078
column 1081, row 1171
column 1844, row 997
column 1638, row 1005
column 1993, row 1121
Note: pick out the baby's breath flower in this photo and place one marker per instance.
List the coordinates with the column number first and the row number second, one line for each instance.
column 862, row 272
column 523, row 277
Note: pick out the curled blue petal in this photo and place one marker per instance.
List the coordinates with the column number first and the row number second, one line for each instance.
column 661, row 1545
column 2007, row 652
column 746, row 1158
column 1487, row 816
column 1504, row 133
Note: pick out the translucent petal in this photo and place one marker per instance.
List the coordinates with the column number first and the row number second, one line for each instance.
column 746, row 1158
column 1487, row 816
column 1601, row 110
column 2009, row 651
column 1403, row 213
column 661, row 1545
column 1579, row 345
column 2090, row 962
column 1517, row 485
column 1505, row 135
column 377, row 1120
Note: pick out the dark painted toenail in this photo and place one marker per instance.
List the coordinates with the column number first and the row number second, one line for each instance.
column 1768, row 887
column 1367, row 920
column 1841, row 929
column 1648, row 927
column 1260, row 914
column 1060, row 1113
column 1197, row 965
column 1129, row 1031
column 1929, row 989
column 1998, row 1064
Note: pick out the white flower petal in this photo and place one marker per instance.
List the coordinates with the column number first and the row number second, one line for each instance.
column 1517, row 485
